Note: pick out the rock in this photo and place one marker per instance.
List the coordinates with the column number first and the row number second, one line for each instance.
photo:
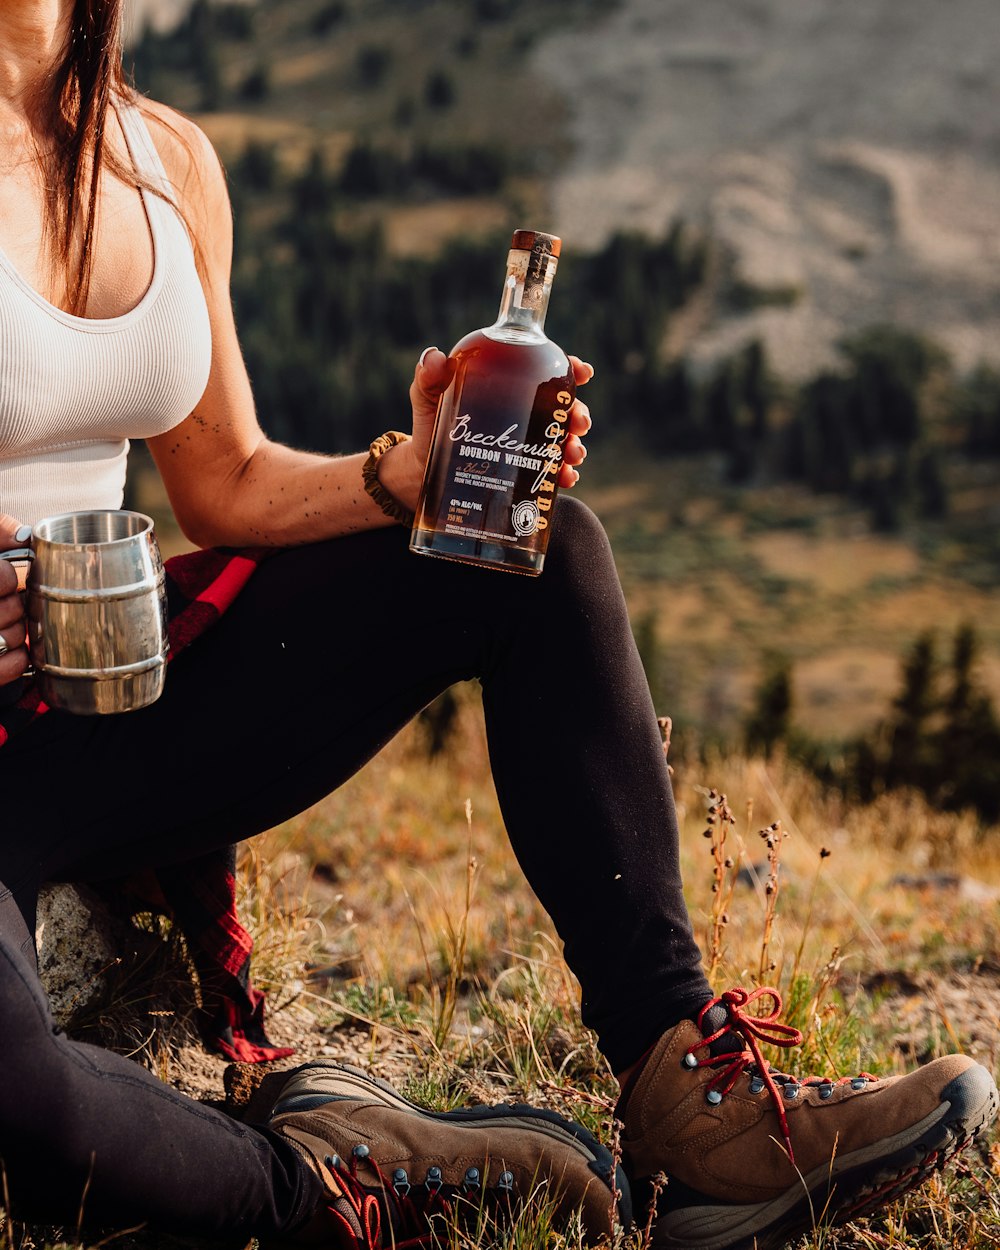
column 252, row 1089
column 755, row 875
column 78, row 942
column 968, row 888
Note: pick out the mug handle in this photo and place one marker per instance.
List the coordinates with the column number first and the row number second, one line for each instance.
column 21, row 558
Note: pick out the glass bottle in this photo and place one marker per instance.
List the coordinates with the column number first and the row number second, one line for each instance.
column 491, row 479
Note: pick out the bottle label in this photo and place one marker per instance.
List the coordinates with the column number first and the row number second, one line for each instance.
column 495, row 477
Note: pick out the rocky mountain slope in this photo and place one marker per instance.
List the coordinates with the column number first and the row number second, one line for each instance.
column 847, row 151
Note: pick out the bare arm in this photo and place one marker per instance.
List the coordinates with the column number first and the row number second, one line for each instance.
column 229, row 484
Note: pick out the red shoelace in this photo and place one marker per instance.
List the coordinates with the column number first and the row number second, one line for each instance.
column 366, row 1209
column 390, row 1198
column 754, row 1028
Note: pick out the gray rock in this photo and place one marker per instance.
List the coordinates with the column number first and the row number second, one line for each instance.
column 77, row 946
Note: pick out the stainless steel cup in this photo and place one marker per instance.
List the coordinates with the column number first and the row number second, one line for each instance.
column 97, row 617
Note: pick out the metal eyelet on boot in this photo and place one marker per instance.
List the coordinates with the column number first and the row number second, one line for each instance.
column 332, row 1162
column 713, row 1098
column 434, row 1180
column 470, row 1181
column 826, row 1091
column 688, row 1060
column 401, row 1182
column 755, row 1086
column 506, row 1182
column 791, row 1091
column 361, row 1151
column 858, row 1082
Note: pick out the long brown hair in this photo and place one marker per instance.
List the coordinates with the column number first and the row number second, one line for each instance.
column 83, row 86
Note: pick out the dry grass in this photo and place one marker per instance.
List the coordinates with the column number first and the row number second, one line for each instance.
column 396, row 912
column 840, row 564
column 467, row 997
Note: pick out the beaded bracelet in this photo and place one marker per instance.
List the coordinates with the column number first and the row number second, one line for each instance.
column 389, row 504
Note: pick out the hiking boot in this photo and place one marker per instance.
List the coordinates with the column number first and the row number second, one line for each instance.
column 753, row 1158
column 389, row 1166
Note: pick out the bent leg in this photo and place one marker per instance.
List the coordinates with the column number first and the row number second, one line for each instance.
column 82, row 1129
column 326, row 654
column 585, row 791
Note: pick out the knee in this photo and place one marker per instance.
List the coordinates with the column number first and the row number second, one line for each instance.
column 31, row 1051
column 579, row 545
column 45, row 1126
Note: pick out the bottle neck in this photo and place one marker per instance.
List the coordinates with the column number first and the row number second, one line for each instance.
column 525, row 298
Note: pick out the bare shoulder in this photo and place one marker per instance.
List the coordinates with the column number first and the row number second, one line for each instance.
column 191, row 162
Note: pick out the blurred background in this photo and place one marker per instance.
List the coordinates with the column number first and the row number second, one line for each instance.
column 781, row 225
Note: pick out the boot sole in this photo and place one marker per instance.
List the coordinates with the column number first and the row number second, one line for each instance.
column 851, row 1186
column 353, row 1084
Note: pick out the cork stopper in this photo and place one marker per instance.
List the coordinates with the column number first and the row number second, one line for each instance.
column 535, row 240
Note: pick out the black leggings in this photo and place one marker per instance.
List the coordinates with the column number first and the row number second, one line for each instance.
column 325, row 655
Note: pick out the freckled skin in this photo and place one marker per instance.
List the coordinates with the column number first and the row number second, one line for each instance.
column 230, row 479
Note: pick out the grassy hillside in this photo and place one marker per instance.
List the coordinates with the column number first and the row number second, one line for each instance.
column 718, row 579
column 394, row 928
column 392, row 923
column 428, row 123
column 445, row 71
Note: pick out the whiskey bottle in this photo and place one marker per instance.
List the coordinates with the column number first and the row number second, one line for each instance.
column 491, row 479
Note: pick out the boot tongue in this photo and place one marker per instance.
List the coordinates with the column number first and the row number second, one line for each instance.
column 712, row 1021
column 347, row 1213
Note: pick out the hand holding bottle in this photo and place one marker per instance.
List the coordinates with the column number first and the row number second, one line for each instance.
column 401, row 469
column 504, row 425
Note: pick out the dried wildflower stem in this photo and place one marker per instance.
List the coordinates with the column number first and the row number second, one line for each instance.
column 615, row 1147
column 720, row 822
column 774, row 835
column 599, row 1102
column 659, row 1185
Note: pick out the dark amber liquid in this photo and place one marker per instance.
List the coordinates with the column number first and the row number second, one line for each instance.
column 490, row 483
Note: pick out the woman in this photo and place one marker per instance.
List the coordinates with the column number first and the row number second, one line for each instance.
column 116, row 318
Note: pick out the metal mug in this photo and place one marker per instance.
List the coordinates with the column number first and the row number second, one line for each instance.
column 97, row 613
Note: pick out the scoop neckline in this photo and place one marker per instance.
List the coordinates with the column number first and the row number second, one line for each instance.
column 103, row 324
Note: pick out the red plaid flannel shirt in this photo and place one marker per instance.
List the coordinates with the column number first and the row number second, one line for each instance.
column 201, row 895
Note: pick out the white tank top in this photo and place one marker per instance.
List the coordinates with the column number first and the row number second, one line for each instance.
column 73, row 390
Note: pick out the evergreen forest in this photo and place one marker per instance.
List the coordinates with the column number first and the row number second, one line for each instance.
column 332, row 316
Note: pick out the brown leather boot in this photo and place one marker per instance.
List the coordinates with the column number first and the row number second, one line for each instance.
column 389, row 1166
column 753, row 1157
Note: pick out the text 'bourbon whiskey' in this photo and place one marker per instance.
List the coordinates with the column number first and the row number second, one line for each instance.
column 492, row 473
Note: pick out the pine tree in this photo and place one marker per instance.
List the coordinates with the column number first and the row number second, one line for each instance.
column 204, row 54
column 648, row 646
column 911, row 751
column 770, row 718
column 967, row 754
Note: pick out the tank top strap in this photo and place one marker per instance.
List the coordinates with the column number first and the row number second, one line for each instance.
column 141, row 148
